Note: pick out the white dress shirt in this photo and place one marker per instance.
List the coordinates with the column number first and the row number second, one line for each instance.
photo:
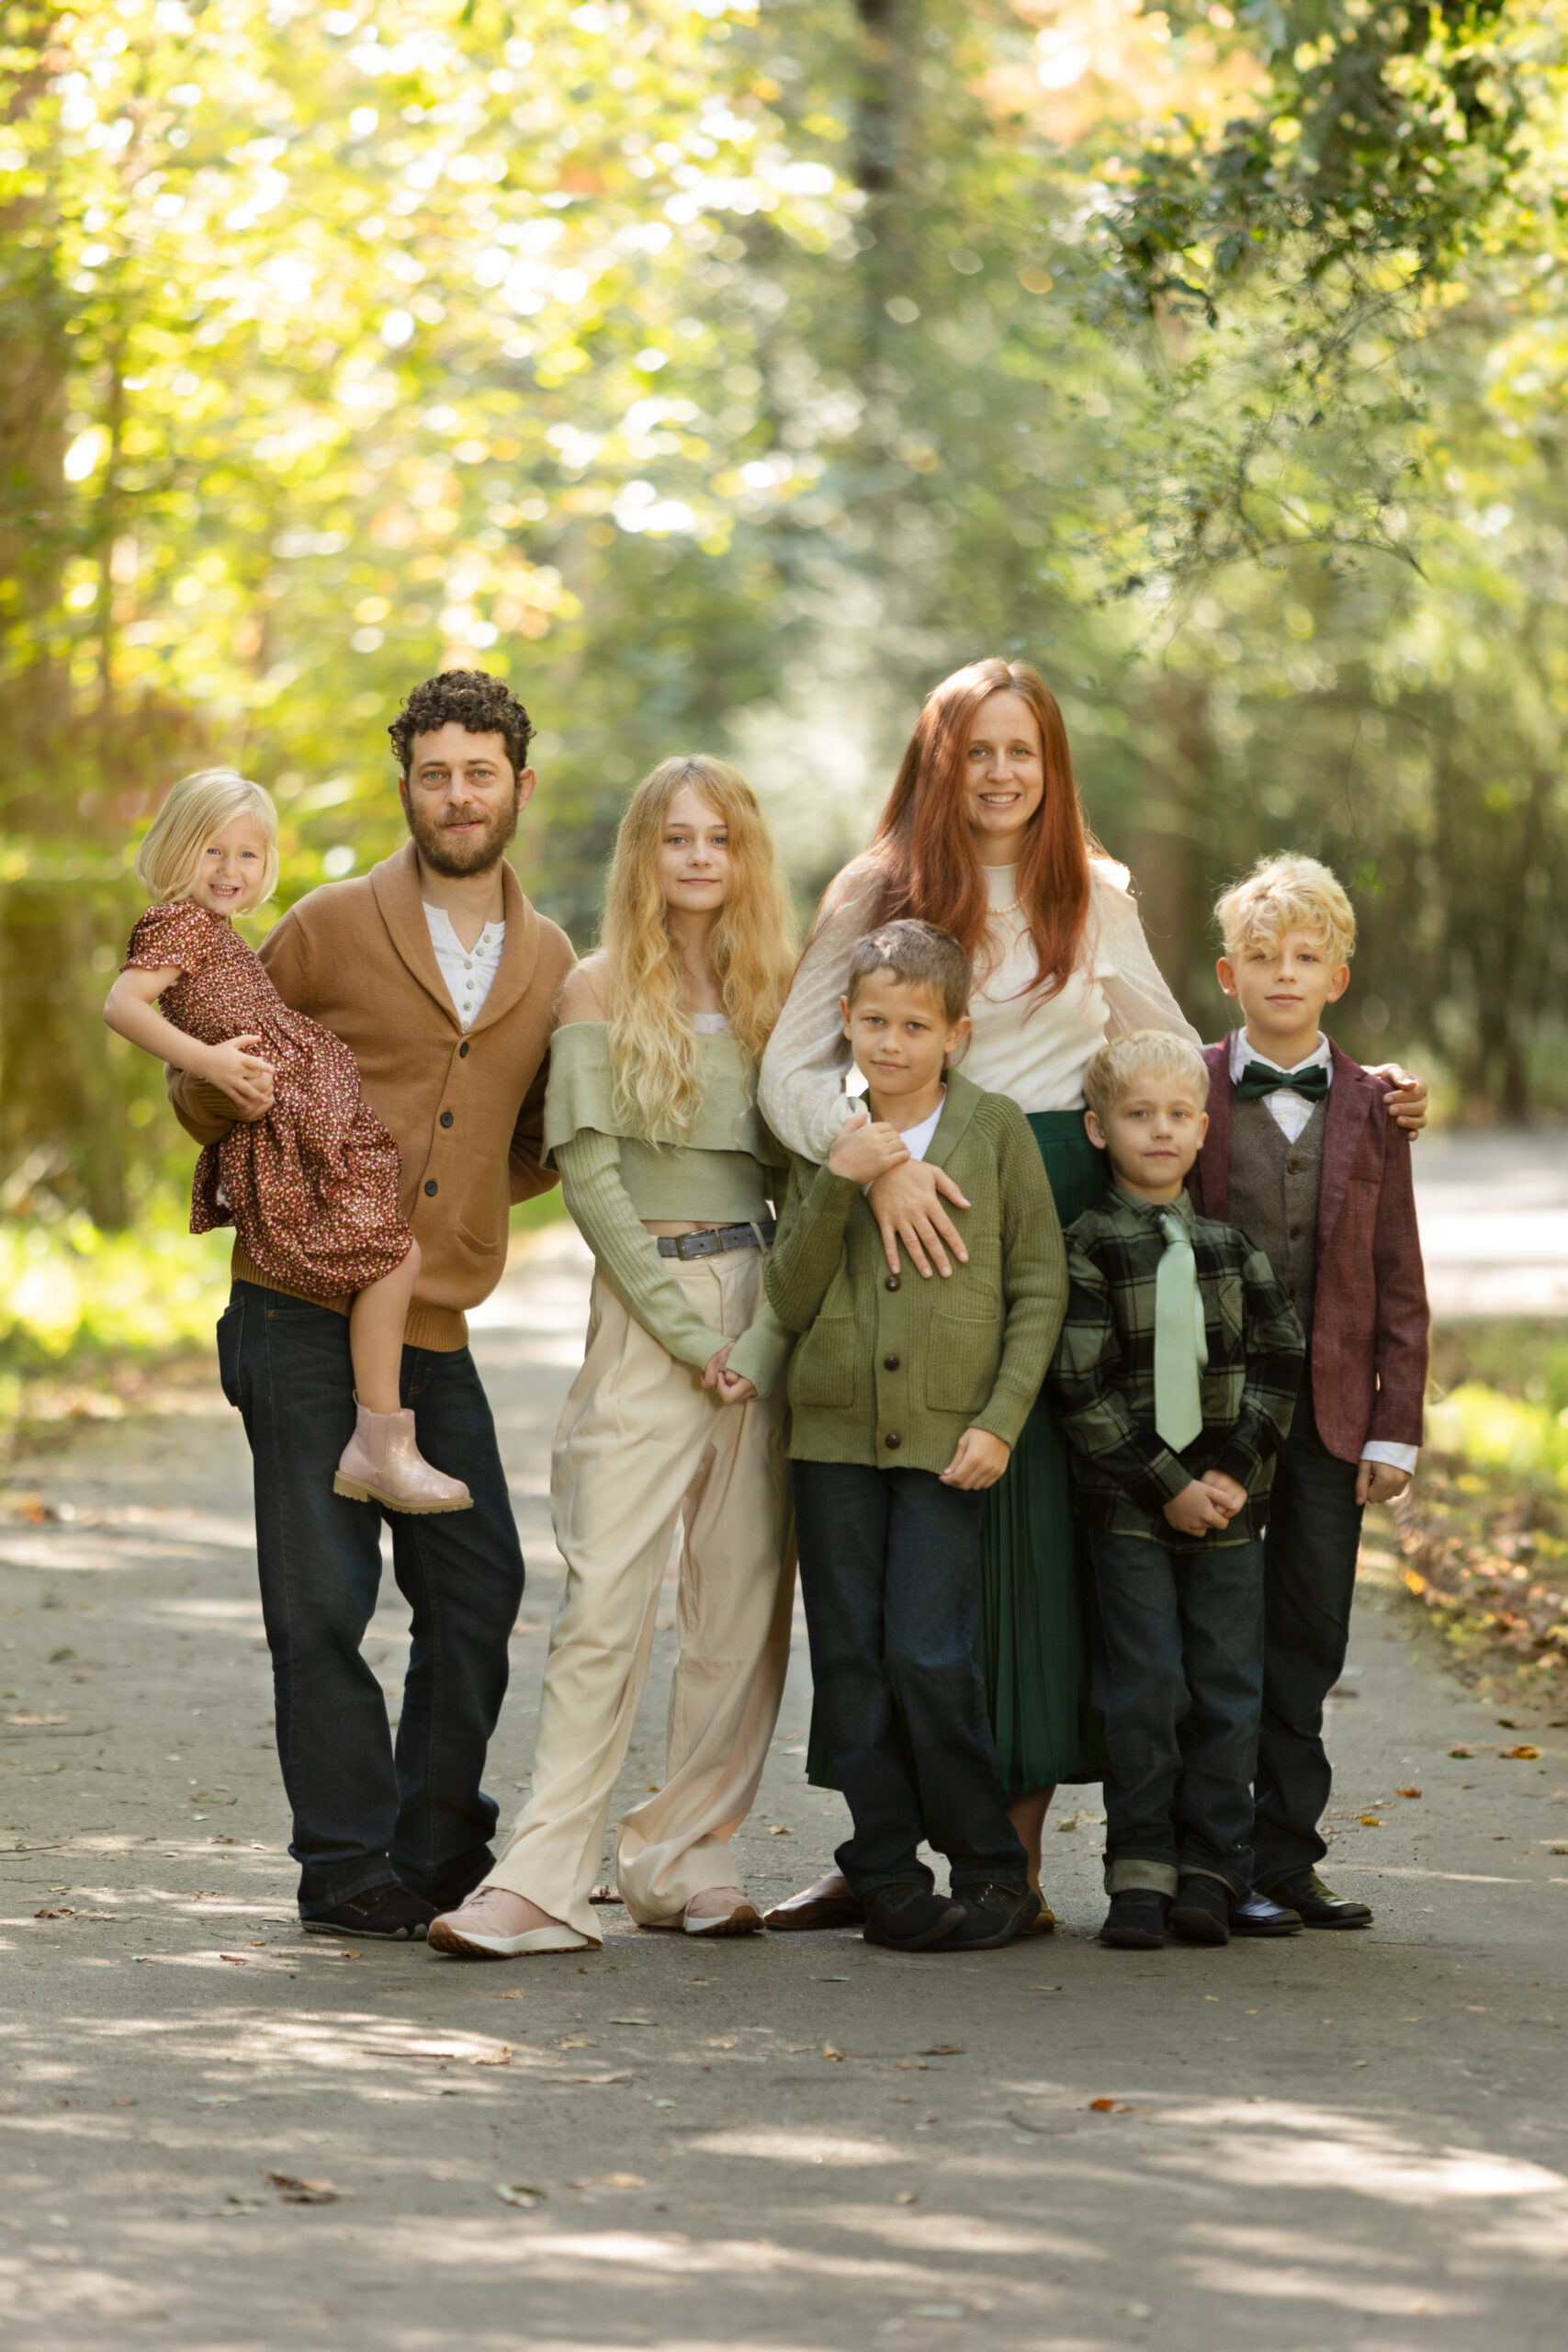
column 1290, row 1112
column 468, row 972
column 917, row 1141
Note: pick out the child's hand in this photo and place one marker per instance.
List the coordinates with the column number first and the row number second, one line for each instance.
column 978, row 1463
column 730, row 1387
column 1380, row 1482
column 1196, row 1510
column 1229, row 1493
column 867, row 1149
column 237, row 1071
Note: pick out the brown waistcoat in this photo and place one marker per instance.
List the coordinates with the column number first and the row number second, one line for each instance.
column 1274, row 1195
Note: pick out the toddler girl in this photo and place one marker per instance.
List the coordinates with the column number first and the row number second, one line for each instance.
column 309, row 1175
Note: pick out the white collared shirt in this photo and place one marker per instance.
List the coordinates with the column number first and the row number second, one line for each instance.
column 468, row 972
column 1290, row 1112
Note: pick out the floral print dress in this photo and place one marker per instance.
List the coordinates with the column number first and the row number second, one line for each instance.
column 313, row 1187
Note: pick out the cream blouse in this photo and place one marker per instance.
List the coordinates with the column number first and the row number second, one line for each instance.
column 1034, row 1052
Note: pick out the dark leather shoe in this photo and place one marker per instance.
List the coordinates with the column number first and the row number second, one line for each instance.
column 387, row 1915
column 1317, row 1905
column 1135, row 1921
column 910, row 1918
column 812, row 1910
column 1201, row 1912
column 1256, row 1914
column 993, row 1916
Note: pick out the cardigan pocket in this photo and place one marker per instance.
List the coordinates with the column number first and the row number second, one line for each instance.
column 963, row 1357
column 822, row 1370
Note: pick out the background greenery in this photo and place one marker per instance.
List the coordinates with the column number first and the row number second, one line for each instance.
column 723, row 375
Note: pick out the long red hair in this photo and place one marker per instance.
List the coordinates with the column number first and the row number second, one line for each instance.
column 924, row 846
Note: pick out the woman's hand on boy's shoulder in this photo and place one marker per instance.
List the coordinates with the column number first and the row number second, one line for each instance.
column 867, row 1149
column 978, row 1461
column 1407, row 1100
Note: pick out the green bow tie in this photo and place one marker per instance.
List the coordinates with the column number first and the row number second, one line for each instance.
column 1259, row 1079
column 1181, row 1346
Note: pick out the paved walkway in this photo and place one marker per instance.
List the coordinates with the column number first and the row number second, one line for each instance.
column 1494, row 1215
column 1342, row 2143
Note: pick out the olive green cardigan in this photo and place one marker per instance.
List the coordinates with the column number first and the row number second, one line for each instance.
column 894, row 1368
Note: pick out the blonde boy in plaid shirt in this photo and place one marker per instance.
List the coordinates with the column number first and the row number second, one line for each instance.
column 1174, row 1380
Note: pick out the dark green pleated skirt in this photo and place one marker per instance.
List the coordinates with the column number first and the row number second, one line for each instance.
column 1032, row 1643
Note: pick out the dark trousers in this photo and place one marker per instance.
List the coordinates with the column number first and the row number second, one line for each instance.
column 363, row 1814
column 890, row 1576
column 1309, row 1556
column 1179, row 1680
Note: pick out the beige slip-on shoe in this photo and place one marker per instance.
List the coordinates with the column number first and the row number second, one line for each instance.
column 483, row 1928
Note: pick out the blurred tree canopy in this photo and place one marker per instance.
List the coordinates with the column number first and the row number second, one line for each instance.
column 724, row 375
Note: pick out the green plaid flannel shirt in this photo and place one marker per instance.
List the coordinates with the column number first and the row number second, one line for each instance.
column 1102, row 1380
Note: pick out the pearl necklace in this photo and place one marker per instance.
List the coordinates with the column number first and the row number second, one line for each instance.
column 1011, row 907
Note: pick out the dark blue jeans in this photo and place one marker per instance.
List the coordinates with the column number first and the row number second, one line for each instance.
column 1178, row 1679
column 1309, row 1582
column 890, row 1576
column 364, row 1815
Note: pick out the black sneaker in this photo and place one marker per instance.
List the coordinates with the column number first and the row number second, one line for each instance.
column 1135, row 1921
column 993, row 1916
column 1256, row 1915
column 910, row 1918
column 1317, row 1905
column 1201, row 1913
column 390, row 1913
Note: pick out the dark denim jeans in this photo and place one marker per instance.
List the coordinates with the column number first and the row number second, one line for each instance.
column 890, row 1574
column 1178, row 1679
column 1309, row 1579
column 363, row 1816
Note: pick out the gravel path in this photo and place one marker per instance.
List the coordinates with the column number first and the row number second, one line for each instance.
column 1351, row 2140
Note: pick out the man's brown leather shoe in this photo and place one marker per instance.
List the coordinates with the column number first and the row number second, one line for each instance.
column 827, row 1904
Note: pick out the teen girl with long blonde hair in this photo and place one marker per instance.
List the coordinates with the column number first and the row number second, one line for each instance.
column 678, row 1411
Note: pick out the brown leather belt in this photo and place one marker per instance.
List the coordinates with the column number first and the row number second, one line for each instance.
column 716, row 1238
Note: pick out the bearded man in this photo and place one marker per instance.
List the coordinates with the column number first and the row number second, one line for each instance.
column 441, row 977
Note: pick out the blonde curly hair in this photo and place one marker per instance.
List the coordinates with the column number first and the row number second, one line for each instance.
column 653, row 1045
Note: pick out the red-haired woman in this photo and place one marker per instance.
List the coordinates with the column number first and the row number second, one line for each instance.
column 983, row 834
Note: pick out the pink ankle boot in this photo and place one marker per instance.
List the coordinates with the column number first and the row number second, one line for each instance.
column 382, row 1464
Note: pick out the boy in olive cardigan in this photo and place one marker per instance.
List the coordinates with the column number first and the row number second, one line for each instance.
column 907, row 1399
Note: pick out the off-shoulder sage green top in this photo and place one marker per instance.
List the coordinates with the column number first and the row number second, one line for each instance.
column 727, row 1172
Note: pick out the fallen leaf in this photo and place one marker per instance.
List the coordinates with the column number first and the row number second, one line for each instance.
column 779, row 1829
column 904, row 2197
column 1462, row 1751
column 610, row 2180
column 1524, row 1754
column 1407, row 1793
column 1371, row 1821
column 125, row 2102
column 515, row 1994
column 517, row 2192
column 830, row 2049
column 1101, row 2106
column 634, row 2020
column 945, row 2050
column 234, row 1960
column 502, row 2057
column 304, row 2192
column 64, row 1913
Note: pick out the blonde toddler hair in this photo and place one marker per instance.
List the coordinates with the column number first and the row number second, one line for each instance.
column 653, row 1045
column 1283, row 894
column 198, row 807
column 1143, row 1053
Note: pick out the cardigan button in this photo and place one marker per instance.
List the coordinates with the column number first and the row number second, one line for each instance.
column 890, row 1363
column 463, row 1051
column 431, row 1187
column 893, row 1441
column 890, row 1282
column 446, row 1118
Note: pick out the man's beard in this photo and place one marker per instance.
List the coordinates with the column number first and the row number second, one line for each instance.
column 473, row 853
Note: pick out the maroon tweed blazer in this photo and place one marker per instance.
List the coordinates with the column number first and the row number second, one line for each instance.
column 1369, row 1317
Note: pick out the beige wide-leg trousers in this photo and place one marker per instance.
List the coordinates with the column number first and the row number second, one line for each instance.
column 642, row 1444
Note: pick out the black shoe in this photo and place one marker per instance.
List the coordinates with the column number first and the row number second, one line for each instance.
column 1318, row 1905
column 1135, row 1921
column 993, row 1916
column 1256, row 1914
column 390, row 1913
column 910, row 1918
column 1201, row 1913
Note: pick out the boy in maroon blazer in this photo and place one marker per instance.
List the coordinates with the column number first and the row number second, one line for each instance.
column 1302, row 1155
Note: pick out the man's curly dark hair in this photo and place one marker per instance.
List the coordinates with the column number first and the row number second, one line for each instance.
column 471, row 699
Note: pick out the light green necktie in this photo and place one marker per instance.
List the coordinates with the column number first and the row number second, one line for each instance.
column 1181, row 1347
